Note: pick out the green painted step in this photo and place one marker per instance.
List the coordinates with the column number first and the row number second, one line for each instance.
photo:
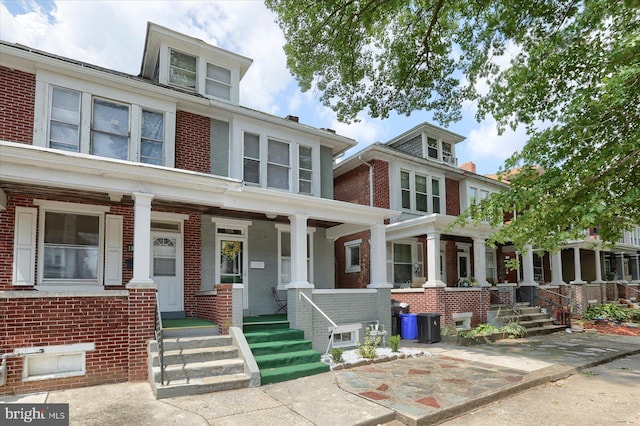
column 287, row 358
column 282, row 374
column 268, row 348
column 273, row 335
column 257, row 326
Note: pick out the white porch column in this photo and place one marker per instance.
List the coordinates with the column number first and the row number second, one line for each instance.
column 433, row 261
column 635, row 269
column 598, row 279
column 299, row 252
column 378, row 257
column 527, row 266
column 480, row 261
column 620, row 267
column 577, row 266
column 142, row 239
column 556, row 268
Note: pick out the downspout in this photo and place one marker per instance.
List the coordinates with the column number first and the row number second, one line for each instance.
column 370, row 179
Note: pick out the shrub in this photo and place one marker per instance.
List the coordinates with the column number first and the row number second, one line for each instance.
column 394, row 343
column 513, row 329
column 634, row 315
column 607, row 311
column 336, row 355
column 368, row 348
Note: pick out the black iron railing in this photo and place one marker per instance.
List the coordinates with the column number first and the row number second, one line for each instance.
column 160, row 339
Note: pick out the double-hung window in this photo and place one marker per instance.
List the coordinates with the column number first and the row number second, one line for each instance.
column 64, row 128
column 305, row 170
column 252, row 158
column 405, row 187
column 110, row 129
column 182, row 70
column 152, row 138
column 278, row 164
column 432, row 148
column 352, row 256
column 218, row 82
column 435, row 195
column 419, row 193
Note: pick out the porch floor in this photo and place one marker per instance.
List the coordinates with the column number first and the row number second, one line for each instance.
column 187, row 322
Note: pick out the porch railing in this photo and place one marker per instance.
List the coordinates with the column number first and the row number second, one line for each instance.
column 551, row 302
column 626, row 285
column 160, row 339
column 333, row 324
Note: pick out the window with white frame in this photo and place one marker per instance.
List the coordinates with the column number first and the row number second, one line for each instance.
column 473, row 195
column 345, row 335
column 419, row 193
column 218, row 82
column 437, row 149
column 402, row 263
column 115, row 129
column 491, row 265
column 284, row 255
column 432, row 148
column 447, row 153
column 252, row 158
column 278, row 164
column 182, row 70
column 352, row 256
column 305, row 170
column 464, row 270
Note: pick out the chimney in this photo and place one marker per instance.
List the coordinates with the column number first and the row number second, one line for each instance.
column 293, row 118
column 469, row 166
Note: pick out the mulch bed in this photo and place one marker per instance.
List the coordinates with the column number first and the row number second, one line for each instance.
column 612, row 329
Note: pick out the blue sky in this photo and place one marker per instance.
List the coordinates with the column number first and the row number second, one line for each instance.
column 112, row 33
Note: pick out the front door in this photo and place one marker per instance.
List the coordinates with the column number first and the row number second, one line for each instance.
column 166, row 270
column 231, row 253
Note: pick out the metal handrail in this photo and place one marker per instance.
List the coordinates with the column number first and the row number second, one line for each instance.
column 629, row 287
column 560, row 295
column 324, row 315
column 159, row 339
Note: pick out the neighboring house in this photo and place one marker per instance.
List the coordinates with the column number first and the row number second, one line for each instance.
column 417, row 174
column 113, row 185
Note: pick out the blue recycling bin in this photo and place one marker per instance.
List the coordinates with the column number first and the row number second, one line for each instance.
column 408, row 326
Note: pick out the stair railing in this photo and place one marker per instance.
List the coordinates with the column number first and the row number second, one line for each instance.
column 160, row 339
column 630, row 288
column 551, row 302
column 333, row 324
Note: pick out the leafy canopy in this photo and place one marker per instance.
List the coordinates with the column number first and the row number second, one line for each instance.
column 574, row 83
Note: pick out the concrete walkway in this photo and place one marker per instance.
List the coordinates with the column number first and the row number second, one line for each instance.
column 449, row 380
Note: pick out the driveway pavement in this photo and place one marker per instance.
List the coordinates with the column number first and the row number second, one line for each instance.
column 445, row 382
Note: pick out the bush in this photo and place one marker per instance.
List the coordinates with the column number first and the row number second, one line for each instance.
column 368, row 349
column 634, row 315
column 607, row 311
column 513, row 329
column 336, row 355
column 394, row 343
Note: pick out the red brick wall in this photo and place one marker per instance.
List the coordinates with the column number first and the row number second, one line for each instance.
column 28, row 322
column 17, row 100
column 353, row 279
column 142, row 322
column 192, row 245
column 224, row 308
column 193, row 145
column 207, row 307
column 353, row 186
column 381, row 184
column 452, row 188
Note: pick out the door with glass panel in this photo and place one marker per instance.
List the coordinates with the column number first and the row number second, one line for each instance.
column 232, row 263
column 166, row 270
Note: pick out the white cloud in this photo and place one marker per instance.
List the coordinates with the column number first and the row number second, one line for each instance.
column 485, row 145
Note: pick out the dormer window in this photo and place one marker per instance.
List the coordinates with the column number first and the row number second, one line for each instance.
column 432, row 148
column 218, row 82
column 182, row 70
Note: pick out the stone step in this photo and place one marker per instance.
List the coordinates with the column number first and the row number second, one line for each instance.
column 191, row 342
column 536, row 323
column 548, row 329
column 201, row 385
column 191, row 355
column 199, row 370
column 192, row 331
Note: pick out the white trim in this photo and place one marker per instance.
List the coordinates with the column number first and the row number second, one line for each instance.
column 168, row 217
column 348, row 268
column 24, row 246
column 242, row 225
column 70, row 207
column 344, row 291
column 55, row 352
column 353, row 329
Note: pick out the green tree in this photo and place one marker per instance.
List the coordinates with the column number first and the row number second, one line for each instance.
column 574, row 82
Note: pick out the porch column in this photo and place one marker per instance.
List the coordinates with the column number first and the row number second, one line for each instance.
column 299, row 252
column 433, row 261
column 598, row 279
column 577, row 266
column 378, row 257
column 142, row 239
column 620, row 267
column 635, row 269
column 527, row 266
column 480, row 261
column 556, row 268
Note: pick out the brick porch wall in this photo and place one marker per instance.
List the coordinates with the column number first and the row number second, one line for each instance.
column 118, row 325
column 224, row 307
column 17, row 97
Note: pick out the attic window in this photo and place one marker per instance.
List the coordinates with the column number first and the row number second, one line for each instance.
column 182, row 70
column 218, row 82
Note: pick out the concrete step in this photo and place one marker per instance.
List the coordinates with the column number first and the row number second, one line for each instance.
column 199, row 369
column 200, row 385
column 191, row 342
column 536, row 323
column 548, row 329
column 191, row 355
column 192, row 331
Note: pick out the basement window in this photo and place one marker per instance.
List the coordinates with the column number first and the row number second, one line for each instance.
column 55, row 361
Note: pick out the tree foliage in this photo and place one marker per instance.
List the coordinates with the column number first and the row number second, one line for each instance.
column 574, row 82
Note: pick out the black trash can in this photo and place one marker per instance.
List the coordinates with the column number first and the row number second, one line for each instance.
column 428, row 328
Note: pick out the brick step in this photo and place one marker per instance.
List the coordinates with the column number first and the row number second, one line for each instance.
column 199, row 370
column 201, row 385
column 186, row 356
column 191, row 342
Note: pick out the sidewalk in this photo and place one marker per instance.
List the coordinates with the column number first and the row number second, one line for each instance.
column 448, row 381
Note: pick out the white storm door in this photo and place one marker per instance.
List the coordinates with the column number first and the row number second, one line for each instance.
column 167, row 270
column 231, row 265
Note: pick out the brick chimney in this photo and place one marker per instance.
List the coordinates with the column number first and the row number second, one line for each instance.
column 469, row 166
